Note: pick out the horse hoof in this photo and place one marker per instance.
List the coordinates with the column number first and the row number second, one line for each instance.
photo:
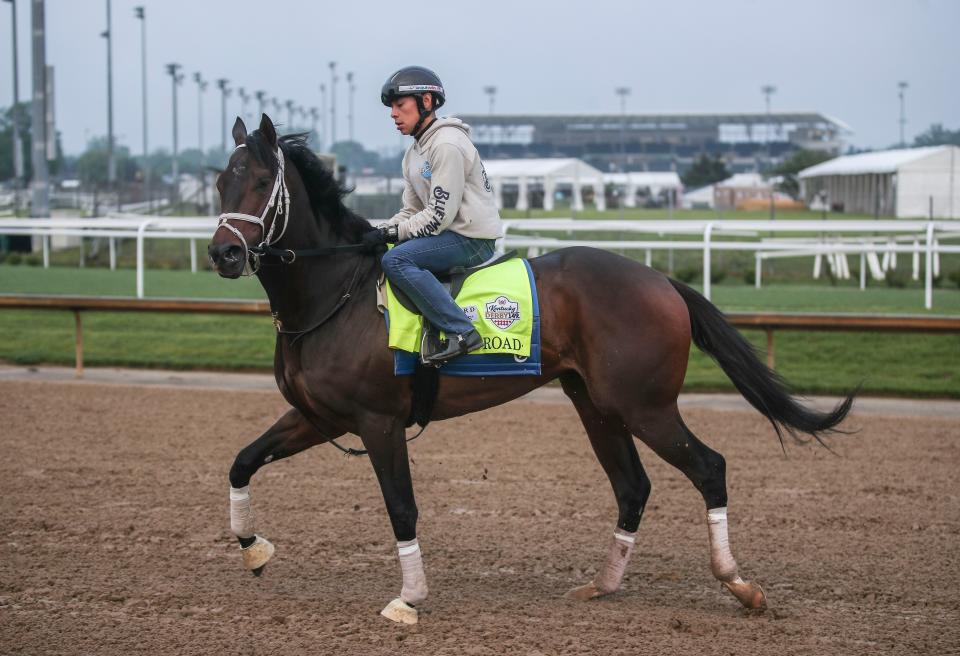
column 401, row 612
column 584, row 592
column 747, row 593
column 258, row 572
column 257, row 554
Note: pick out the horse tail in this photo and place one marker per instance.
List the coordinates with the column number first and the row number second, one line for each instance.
column 764, row 388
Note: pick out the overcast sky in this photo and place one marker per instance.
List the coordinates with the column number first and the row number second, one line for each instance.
column 840, row 57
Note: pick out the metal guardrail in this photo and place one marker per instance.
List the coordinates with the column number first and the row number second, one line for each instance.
column 766, row 321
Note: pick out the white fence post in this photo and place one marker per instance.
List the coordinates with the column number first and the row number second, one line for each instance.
column 113, row 253
column 863, row 270
column 928, row 274
column 758, row 270
column 140, row 264
column 707, row 230
column 193, row 256
column 46, row 251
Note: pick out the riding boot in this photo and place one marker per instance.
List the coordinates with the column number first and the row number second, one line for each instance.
column 455, row 347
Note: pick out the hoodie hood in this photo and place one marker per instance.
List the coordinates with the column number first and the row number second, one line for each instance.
column 444, row 122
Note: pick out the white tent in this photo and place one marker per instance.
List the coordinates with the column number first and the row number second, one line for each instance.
column 549, row 173
column 907, row 182
column 654, row 182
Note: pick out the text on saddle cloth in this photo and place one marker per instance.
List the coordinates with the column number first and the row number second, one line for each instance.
column 498, row 300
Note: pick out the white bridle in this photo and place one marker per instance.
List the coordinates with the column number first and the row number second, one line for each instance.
column 279, row 198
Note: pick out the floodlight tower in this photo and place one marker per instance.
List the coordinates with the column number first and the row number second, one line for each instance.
column 173, row 70
column 491, row 91
column 111, row 157
column 623, row 92
column 351, row 87
column 261, row 97
column 223, row 85
column 902, row 86
column 333, row 103
column 289, row 106
column 323, row 114
column 768, row 90
column 244, row 99
column 140, row 14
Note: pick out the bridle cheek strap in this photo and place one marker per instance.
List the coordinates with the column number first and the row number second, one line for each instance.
column 279, row 198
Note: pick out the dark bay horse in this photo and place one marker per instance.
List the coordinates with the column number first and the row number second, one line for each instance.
column 615, row 333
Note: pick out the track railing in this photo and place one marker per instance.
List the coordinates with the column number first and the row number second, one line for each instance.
column 766, row 321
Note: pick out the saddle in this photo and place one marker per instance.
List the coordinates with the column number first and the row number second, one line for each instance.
column 452, row 281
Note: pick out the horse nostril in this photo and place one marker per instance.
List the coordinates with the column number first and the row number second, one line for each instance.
column 232, row 253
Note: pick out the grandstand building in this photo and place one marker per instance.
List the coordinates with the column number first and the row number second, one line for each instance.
column 656, row 142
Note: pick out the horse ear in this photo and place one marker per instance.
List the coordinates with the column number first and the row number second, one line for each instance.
column 239, row 132
column 267, row 130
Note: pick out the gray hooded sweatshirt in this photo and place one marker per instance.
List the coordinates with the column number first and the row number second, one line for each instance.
column 446, row 187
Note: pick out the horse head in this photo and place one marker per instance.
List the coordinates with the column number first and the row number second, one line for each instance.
column 253, row 197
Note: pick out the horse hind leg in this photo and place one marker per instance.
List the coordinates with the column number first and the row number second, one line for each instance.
column 670, row 438
column 613, row 445
column 291, row 434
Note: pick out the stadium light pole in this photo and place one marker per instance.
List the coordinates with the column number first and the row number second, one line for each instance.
column 111, row 158
column 323, row 115
column 140, row 14
column 261, row 97
column 289, row 106
column 333, row 103
column 223, row 85
column 173, row 70
column 17, row 141
column 491, row 91
column 201, row 87
column 768, row 90
column 314, row 115
column 623, row 92
column 244, row 99
column 902, row 87
column 351, row 87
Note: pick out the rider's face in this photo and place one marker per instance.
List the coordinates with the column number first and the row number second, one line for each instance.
column 405, row 113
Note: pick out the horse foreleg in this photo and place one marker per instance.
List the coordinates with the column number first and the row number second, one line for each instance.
column 613, row 445
column 291, row 434
column 383, row 437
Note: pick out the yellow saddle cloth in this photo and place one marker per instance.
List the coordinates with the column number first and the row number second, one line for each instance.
column 497, row 299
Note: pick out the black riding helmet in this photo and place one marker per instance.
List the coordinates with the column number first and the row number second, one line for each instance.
column 414, row 81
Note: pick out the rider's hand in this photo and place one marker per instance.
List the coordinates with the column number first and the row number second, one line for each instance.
column 374, row 239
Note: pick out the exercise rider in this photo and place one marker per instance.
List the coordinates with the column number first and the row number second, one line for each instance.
column 449, row 217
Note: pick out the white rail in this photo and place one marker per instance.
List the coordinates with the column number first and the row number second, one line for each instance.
column 822, row 238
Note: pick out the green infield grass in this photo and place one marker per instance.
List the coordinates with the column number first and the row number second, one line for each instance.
column 902, row 364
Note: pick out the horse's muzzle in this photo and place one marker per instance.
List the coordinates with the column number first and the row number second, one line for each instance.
column 227, row 259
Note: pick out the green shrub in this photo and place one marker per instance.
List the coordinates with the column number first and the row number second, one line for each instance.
column 687, row 274
column 895, row 279
column 954, row 277
column 14, row 258
column 716, row 277
column 33, row 260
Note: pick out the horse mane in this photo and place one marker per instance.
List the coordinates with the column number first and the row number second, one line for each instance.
column 325, row 192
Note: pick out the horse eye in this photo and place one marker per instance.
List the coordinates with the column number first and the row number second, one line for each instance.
column 263, row 182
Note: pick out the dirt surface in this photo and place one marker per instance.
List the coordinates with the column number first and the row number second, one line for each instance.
column 116, row 536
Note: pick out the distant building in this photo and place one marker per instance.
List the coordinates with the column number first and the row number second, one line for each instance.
column 905, row 183
column 656, row 142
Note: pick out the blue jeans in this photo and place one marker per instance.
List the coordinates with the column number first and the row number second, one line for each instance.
column 410, row 267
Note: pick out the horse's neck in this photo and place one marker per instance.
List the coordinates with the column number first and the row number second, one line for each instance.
column 303, row 292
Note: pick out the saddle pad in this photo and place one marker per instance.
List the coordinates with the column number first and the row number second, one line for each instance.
column 503, row 305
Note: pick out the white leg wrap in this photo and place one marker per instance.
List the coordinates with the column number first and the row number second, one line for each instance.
column 241, row 514
column 722, row 564
column 610, row 575
column 414, row 579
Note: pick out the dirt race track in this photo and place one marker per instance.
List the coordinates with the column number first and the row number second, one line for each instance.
column 116, row 536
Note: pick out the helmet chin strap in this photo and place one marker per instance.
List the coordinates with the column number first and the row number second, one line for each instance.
column 419, row 128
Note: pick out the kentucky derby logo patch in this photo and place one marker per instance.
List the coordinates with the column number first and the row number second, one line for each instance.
column 502, row 312
column 426, row 171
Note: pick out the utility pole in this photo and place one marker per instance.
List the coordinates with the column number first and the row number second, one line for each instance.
column 175, row 78
column 491, row 91
column 15, row 115
column 140, row 14
column 38, row 155
column 768, row 90
column 350, row 89
column 902, row 86
column 111, row 156
column 333, row 103
column 222, row 84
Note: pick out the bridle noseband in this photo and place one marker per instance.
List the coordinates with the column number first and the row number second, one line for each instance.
column 279, row 198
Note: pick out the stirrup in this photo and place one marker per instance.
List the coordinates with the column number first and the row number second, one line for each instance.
column 430, row 344
column 454, row 348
